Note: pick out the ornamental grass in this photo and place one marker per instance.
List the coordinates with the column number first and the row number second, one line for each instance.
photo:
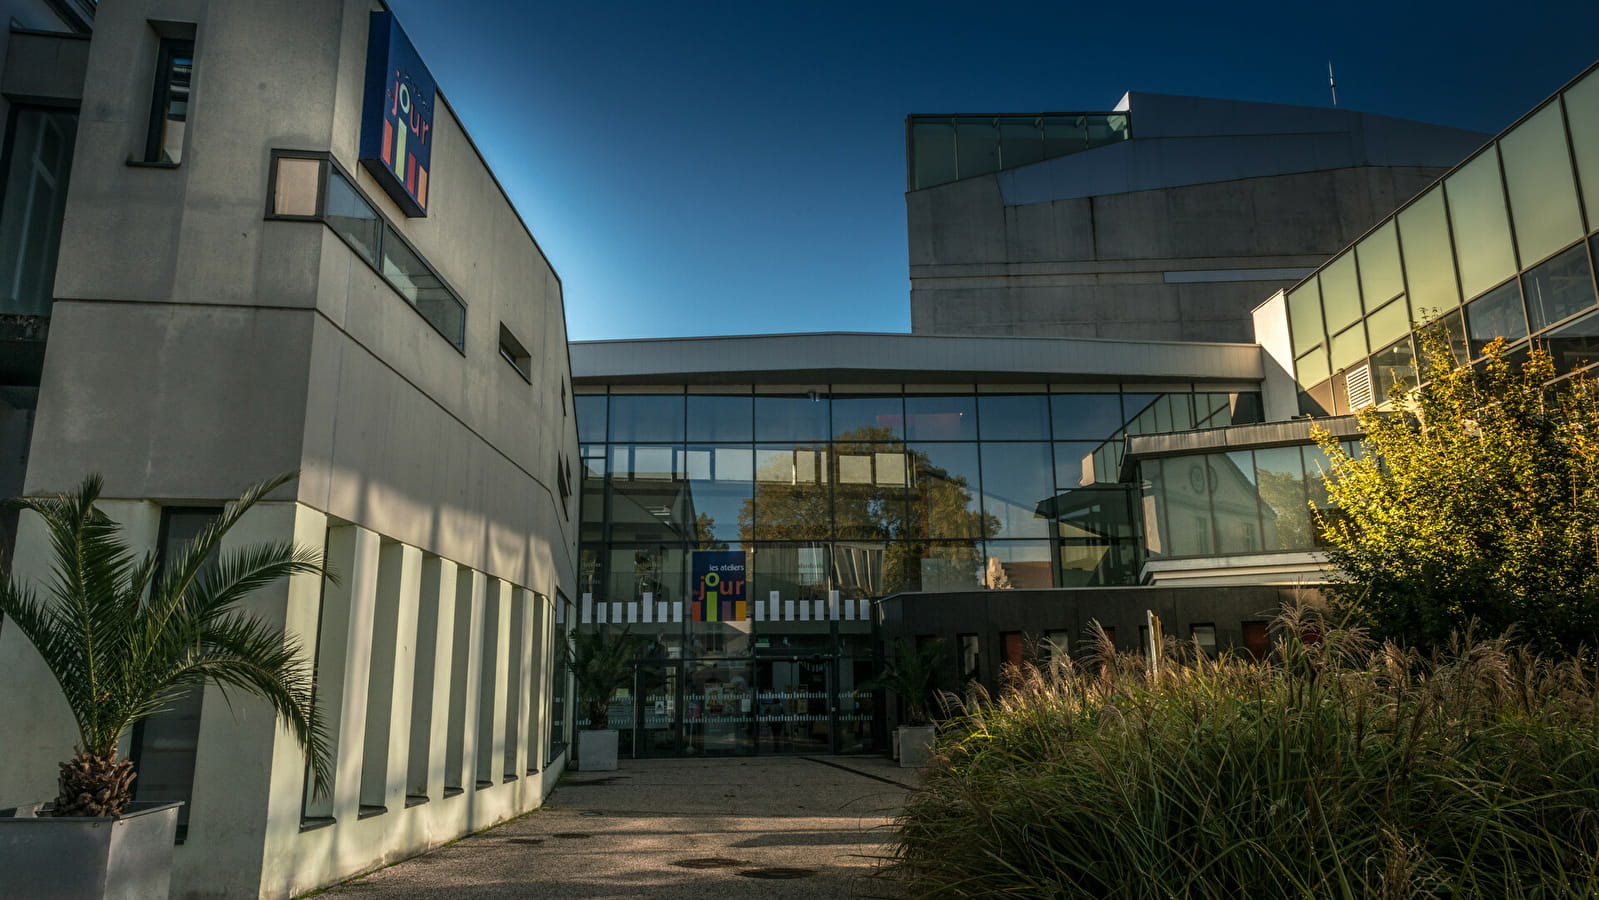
column 1335, row 768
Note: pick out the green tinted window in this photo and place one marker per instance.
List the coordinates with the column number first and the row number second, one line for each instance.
column 1380, row 277
column 1348, row 347
column 1388, row 323
column 1312, row 367
column 1340, row 292
column 1304, row 315
column 1392, row 367
column 1582, row 115
column 1481, row 227
column 1543, row 197
column 1429, row 266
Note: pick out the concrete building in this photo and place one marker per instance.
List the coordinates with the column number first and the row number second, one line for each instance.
column 1166, row 219
column 280, row 250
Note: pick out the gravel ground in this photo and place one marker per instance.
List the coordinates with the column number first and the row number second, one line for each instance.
column 814, row 826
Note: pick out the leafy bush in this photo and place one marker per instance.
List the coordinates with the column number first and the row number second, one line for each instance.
column 1338, row 768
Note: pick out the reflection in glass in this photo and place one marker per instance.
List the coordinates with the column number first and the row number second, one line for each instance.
column 352, row 218
column 868, row 418
column 1013, row 417
column 715, row 419
column 1380, row 275
column 1158, row 413
column 1318, row 468
column 1543, row 197
column 1480, row 225
column 1095, row 529
column 1280, row 475
column 945, row 492
column 792, row 499
column 1234, row 502
column 794, row 418
column 1429, row 263
column 1187, row 506
column 795, row 571
column 1094, row 417
column 1582, row 117
column 870, row 490
column 1340, row 293
column 408, row 274
column 940, row 418
column 1312, row 369
column 1558, row 289
column 1017, row 478
column 1454, row 335
column 647, row 501
column 1076, row 465
column 720, row 488
column 1388, row 323
column 590, row 417
column 1347, row 347
column 1575, row 344
column 1494, row 315
column 650, row 417
column 1393, row 366
column 34, row 205
column 1304, row 316
column 1017, row 564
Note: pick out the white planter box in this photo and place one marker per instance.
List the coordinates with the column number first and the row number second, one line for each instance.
column 915, row 745
column 596, row 750
column 126, row 858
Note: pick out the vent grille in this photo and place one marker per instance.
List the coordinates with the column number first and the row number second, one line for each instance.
column 1357, row 383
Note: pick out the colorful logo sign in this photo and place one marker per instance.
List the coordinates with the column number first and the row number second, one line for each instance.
column 718, row 586
column 397, row 116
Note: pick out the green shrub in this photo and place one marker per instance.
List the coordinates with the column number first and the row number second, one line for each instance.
column 1335, row 769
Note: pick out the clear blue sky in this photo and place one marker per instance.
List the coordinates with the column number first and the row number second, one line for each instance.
column 739, row 167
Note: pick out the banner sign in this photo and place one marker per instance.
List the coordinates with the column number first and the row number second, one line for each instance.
column 718, row 581
column 397, row 116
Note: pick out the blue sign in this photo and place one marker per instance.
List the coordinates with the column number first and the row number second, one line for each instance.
column 397, row 116
column 717, row 587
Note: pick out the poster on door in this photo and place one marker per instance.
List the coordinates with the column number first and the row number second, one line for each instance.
column 718, row 580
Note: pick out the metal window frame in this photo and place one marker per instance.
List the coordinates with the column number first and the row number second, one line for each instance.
column 160, row 94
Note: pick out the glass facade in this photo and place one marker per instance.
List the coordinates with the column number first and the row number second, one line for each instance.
column 824, row 500
column 1501, row 247
column 1238, row 502
column 35, row 202
column 949, row 148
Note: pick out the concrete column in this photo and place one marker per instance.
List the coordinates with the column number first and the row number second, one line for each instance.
column 430, row 709
column 393, row 670
column 465, row 683
column 538, row 730
column 344, row 662
column 493, row 666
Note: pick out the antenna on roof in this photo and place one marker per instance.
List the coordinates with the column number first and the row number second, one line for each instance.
column 1331, row 83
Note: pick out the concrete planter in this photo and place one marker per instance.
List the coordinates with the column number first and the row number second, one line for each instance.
column 915, row 745
column 596, row 750
column 126, row 858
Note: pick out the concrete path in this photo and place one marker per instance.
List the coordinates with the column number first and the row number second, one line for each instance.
column 624, row 834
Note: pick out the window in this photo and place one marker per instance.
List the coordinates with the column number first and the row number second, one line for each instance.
column 1205, row 637
column 971, row 657
column 165, row 745
column 169, row 106
column 1257, row 639
column 310, row 186
column 512, row 351
column 40, row 158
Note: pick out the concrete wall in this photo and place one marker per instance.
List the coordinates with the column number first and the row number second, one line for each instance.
column 197, row 346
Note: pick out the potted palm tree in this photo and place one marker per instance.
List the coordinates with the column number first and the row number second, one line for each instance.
column 124, row 638
column 601, row 661
column 915, row 675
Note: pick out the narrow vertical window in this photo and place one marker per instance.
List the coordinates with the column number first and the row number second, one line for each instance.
column 169, row 107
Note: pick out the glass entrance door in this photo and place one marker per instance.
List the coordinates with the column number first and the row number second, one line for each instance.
column 795, row 705
column 718, row 708
column 658, row 729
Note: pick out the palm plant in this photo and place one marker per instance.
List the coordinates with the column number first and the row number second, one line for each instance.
column 602, row 662
column 916, row 675
column 124, row 643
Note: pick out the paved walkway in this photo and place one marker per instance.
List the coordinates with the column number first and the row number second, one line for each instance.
column 623, row 834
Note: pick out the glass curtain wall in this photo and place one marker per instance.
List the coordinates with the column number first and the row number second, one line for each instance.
column 747, row 533
column 1502, row 247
